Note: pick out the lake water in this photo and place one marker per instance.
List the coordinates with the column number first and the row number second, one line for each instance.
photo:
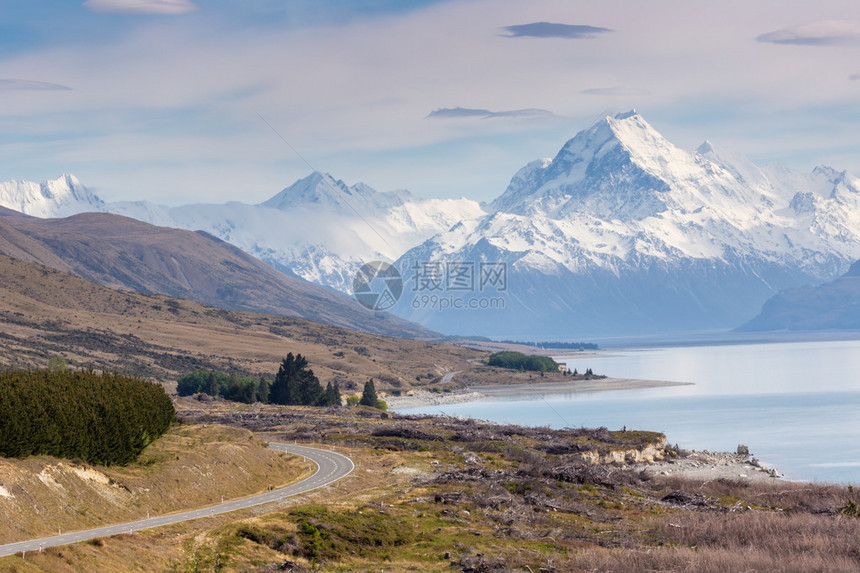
column 796, row 405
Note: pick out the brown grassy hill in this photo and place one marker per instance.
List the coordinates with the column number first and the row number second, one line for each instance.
column 124, row 253
column 45, row 313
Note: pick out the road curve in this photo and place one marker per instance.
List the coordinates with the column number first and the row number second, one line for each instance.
column 331, row 467
column 449, row 377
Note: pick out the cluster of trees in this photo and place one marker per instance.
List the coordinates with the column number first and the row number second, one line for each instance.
column 520, row 361
column 294, row 384
column 99, row 418
column 235, row 388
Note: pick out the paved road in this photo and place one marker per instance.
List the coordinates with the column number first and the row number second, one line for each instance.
column 449, row 377
column 331, row 467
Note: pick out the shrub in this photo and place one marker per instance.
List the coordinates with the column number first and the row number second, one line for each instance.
column 98, row 418
column 519, row 361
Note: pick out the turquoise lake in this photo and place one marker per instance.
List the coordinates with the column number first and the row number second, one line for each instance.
column 796, row 405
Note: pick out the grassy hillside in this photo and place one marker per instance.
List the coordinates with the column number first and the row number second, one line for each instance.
column 190, row 466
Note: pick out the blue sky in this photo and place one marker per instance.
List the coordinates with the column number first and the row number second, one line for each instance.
column 172, row 100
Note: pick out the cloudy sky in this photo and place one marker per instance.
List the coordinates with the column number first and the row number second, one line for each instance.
column 181, row 101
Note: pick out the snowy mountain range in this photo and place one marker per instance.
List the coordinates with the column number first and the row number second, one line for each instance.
column 620, row 233
column 318, row 229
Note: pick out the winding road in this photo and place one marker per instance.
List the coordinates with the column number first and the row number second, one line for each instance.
column 331, row 467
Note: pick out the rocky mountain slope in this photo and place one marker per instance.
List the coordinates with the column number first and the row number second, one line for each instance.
column 831, row 306
column 622, row 232
column 124, row 253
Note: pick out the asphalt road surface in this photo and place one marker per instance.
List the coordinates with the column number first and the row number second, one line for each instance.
column 331, row 467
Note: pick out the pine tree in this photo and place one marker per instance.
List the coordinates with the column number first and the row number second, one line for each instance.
column 369, row 397
column 295, row 383
column 331, row 396
column 263, row 390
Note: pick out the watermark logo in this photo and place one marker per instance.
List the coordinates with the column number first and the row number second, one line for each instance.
column 438, row 285
column 377, row 285
column 438, row 276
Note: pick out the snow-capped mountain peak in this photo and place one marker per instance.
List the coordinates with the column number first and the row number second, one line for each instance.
column 620, row 168
column 59, row 197
column 621, row 230
column 321, row 190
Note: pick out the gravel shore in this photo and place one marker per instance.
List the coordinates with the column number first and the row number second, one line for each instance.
column 707, row 465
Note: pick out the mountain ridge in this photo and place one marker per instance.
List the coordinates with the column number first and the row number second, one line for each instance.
column 834, row 305
column 319, row 228
column 121, row 252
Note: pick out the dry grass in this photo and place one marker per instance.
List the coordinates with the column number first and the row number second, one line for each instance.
column 190, row 466
column 433, row 494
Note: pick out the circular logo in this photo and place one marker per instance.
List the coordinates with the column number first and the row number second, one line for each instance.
column 377, row 285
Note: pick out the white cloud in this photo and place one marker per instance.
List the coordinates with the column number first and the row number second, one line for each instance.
column 822, row 33
column 12, row 84
column 465, row 112
column 615, row 91
column 168, row 7
column 171, row 104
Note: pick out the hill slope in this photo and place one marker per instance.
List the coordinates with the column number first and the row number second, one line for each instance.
column 124, row 253
column 830, row 306
column 47, row 313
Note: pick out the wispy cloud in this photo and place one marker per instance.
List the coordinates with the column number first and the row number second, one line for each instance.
column 462, row 112
column 615, row 91
column 823, row 33
column 554, row 30
column 167, row 7
column 854, row 77
column 12, row 84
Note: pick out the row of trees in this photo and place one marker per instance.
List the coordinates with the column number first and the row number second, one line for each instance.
column 99, row 418
column 520, row 361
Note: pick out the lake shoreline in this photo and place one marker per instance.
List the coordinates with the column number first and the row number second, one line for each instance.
column 425, row 398
column 692, row 464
